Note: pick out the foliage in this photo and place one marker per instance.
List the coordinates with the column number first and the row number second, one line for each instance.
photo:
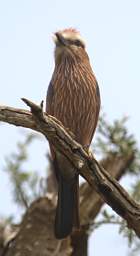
column 25, row 182
column 111, row 139
column 107, row 218
column 115, row 139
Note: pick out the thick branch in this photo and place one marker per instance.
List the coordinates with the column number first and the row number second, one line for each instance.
column 110, row 190
column 18, row 117
column 36, row 234
column 90, row 201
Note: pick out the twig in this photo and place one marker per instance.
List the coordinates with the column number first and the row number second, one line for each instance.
column 110, row 190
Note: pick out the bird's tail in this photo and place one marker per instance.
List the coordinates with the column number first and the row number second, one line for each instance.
column 67, row 212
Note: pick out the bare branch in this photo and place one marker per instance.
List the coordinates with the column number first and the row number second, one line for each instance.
column 87, row 166
column 90, row 201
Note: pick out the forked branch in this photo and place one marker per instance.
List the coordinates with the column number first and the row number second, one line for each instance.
column 87, row 166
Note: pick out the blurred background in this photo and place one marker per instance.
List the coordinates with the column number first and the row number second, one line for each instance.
column 111, row 30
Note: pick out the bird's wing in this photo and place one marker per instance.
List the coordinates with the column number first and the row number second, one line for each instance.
column 49, row 99
column 98, row 103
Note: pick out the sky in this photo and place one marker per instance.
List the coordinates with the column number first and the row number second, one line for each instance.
column 111, row 30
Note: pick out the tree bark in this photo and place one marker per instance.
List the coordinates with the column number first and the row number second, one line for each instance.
column 91, row 202
column 97, row 177
column 90, row 199
column 35, row 236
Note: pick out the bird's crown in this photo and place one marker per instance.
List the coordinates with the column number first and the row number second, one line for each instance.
column 69, row 36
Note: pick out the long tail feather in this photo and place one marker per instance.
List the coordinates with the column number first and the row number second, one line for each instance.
column 67, row 212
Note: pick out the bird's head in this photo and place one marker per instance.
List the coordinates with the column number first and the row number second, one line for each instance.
column 68, row 42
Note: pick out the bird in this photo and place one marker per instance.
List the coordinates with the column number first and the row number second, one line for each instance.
column 73, row 98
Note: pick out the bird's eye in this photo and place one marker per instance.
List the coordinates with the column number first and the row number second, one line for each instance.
column 76, row 42
column 79, row 43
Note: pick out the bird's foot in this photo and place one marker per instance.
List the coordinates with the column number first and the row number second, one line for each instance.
column 88, row 151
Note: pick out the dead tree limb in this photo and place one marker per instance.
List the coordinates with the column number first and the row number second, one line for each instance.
column 35, row 235
column 87, row 166
column 90, row 201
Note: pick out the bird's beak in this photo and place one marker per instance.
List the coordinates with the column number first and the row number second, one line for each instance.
column 60, row 39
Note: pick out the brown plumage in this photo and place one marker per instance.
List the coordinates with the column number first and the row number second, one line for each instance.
column 73, row 98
